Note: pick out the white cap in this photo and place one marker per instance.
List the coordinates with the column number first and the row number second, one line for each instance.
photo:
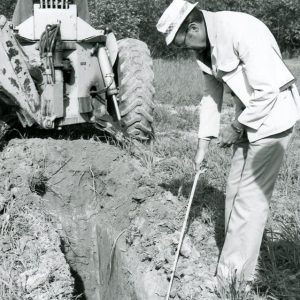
column 173, row 17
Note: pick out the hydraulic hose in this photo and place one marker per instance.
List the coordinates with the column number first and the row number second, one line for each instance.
column 47, row 48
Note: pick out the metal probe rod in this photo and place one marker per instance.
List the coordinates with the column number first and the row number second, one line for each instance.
column 114, row 98
column 183, row 231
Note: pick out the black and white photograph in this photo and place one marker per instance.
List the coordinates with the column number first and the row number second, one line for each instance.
column 149, row 150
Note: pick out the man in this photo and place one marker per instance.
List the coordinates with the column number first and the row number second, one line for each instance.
column 260, row 131
column 24, row 8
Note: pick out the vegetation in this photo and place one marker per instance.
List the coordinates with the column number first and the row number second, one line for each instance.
column 137, row 18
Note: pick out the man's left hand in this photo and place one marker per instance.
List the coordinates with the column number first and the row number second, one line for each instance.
column 229, row 136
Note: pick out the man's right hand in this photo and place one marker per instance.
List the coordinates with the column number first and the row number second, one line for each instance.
column 202, row 149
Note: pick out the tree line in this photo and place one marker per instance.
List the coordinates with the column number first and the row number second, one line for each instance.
column 137, row 18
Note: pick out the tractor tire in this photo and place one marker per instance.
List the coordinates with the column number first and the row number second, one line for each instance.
column 136, row 88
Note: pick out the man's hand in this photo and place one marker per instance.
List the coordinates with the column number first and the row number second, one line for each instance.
column 229, row 136
column 200, row 154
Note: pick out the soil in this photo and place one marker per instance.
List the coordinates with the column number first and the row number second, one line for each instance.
column 102, row 226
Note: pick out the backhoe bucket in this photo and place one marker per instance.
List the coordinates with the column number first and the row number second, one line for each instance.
column 16, row 85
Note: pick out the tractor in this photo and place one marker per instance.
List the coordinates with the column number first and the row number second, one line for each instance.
column 57, row 70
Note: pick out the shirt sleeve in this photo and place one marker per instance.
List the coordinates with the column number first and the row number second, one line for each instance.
column 210, row 108
column 256, row 54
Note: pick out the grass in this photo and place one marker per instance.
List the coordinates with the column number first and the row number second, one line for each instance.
column 177, row 82
column 178, row 88
column 294, row 66
column 280, row 260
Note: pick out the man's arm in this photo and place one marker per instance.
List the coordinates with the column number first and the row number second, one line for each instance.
column 209, row 114
column 210, row 108
column 257, row 54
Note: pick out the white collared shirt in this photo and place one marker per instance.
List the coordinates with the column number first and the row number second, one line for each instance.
column 238, row 38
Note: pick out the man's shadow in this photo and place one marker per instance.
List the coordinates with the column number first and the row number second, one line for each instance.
column 206, row 197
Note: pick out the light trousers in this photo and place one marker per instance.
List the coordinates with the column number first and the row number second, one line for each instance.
column 250, row 185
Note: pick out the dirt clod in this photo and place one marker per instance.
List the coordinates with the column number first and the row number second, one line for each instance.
column 142, row 194
column 38, row 183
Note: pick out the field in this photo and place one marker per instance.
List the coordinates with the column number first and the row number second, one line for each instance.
column 83, row 217
column 178, row 88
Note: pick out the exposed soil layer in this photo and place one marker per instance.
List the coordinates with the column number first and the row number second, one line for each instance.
column 118, row 226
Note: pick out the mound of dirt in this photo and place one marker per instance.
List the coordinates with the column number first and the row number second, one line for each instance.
column 32, row 263
column 100, row 226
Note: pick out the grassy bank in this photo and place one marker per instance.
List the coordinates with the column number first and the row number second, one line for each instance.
column 179, row 89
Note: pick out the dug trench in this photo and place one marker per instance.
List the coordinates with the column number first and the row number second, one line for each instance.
column 112, row 230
